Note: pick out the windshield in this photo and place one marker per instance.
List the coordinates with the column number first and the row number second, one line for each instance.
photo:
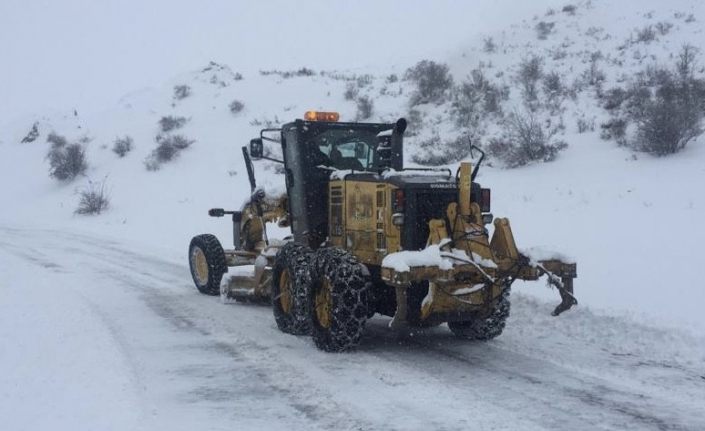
column 344, row 148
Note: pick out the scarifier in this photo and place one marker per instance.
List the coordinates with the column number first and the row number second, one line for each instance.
column 369, row 236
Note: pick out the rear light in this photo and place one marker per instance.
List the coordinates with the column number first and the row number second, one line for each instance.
column 398, row 202
column 485, row 200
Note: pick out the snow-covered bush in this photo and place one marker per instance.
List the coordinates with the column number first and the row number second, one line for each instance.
column 434, row 152
column 168, row 147
column 489, row 46
column 646, row 34
column 570, row 9
column 304, row 71
column 32, row 135
column 181, row 92
column 350, row 91
column 544, row 29
column 432, row 80
column 530, row 72
column 169, row 123
column 66, row 161
column 365, row 108
column 525, row 140
column 93, row 199
column 56, row 140
column 585, row 124
column 122, row 146
column 665, row 105
column 236, row 106
column 475, row 98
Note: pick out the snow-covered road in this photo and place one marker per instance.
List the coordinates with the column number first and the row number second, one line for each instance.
column 96, row 334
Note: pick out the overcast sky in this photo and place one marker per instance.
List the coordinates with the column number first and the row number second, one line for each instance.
column 88, row 53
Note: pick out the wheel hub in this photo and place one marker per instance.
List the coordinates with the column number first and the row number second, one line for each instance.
column 200, row 265
column 324, row 304
column 285, row 292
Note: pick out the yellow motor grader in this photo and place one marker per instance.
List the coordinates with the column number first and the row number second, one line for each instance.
column 369, row 236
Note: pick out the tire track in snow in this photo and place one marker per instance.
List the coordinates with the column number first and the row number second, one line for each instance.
column 545, row 394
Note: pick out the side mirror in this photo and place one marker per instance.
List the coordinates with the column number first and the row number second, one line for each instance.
column 256, row 148
column 216, row 212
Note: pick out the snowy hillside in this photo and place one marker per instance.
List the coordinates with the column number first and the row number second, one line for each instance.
column 630, row 219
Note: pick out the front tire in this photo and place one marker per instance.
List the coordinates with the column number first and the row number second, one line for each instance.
column 207, row 263
column 486, row 328
column 338, row 300
column 291, row 280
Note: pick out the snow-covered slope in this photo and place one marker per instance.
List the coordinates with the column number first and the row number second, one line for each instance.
column 630, row 356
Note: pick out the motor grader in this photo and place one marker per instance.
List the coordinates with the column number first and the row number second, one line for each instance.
column 369, row 236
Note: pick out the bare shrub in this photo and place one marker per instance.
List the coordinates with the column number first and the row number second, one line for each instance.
column 666, row 107
column 489, row 46
column 392, row 78
column 364, row 108
column 304, row 71
column 122, row 146
column 181, row 92
column 530, row 72
column 236, row 106
column 664, row 27
column 646, row 34
column 32, row 135
column 56, row 140
column 594, row 76
column 237, row 76
column 168, row 147
column 616, row 129
column 351, row 91
column 432, row 80
column 169, row 123
column 526, row 140
column 614, row 98
column 570, row 9
column 544, row 29
column 552, row 85
column 93, row 199
column 66, row 161
column 434, row 152
column 585, row 125
column 476, row 97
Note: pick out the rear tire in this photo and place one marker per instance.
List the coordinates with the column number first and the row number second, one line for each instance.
column 338, row 300
column 207, row 263
column 291, row 281
column 486, row 328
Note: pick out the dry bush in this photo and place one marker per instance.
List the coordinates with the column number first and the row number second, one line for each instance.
column 236, row 106
column 32, row 135
column 434, row 152
column 432, row 81
column 67, row 161
column 365, row 108
column 169, row 123
column 181, row 92
column 525, row 141
column 544, row 29
column 122, row 146
column 530, row 72
column 168, row 147
column 93, row 199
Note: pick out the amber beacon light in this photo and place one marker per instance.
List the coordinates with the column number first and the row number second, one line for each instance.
column 321, row 116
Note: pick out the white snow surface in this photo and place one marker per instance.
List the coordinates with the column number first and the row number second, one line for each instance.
column 102, row 328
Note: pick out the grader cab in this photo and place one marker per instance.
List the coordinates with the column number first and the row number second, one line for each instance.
column 369, row 236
